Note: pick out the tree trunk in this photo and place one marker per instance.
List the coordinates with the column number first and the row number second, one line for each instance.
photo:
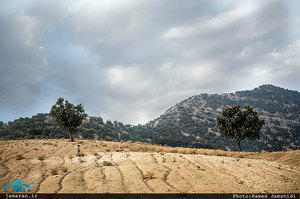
column 70, row 134
column 239, row 145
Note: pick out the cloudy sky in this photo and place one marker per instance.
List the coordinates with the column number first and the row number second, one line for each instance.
column 130, row 60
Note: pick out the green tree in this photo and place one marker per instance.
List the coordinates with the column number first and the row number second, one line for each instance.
column 68, row 116
column 239, row 124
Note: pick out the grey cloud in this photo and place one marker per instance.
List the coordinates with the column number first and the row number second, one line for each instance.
column 141, row 57
column 22, row 65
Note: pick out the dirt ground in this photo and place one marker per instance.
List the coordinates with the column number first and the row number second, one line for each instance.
column 126, row 167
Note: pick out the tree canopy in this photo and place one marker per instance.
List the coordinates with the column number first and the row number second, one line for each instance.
column 239, row 124
column 67, row 115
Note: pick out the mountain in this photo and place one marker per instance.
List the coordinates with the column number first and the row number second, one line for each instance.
column 193, row 121
column 190, row 123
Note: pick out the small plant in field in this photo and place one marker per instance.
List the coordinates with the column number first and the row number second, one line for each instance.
column 70, row 156
column 20, row 157
column 199, row 168
column 174, row 159
column 162, row 153
column 107, row 163
column 98, row 157
column 163, row 159
column 95, row 154
column 41, row 157
column 80, row 155
column 54, row 171
column 222, row 161
column 107, row 150
column 105, row 145
column 249, row 165
column 149, row 175
column 81, row 161
column 64, row 169
column 237, row 159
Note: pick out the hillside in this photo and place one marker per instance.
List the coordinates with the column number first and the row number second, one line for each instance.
column 190, row 123
column 194, row 119
column 127, row 167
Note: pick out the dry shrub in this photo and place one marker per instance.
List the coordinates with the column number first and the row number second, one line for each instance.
column 163, row 159
column 47, row 143
column 80, row 154
column 184, row 190
column 70, row 156
column 64, row 169
column 54, row 171
column 192, row 151
column 107, row 163
column 263, row 151
column 149, row 175
column 20, row 157
column 220, row 153
column 81, row 161
column 174, row 159
column 95, row 154
column 184, row 151
column 41, row 157
column 144, row 148
column 107, row 150
column 98, row 157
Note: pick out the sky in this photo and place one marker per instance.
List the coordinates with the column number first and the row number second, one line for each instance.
column 131, row 60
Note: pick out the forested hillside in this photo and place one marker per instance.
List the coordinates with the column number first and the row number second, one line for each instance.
column 190, row 123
